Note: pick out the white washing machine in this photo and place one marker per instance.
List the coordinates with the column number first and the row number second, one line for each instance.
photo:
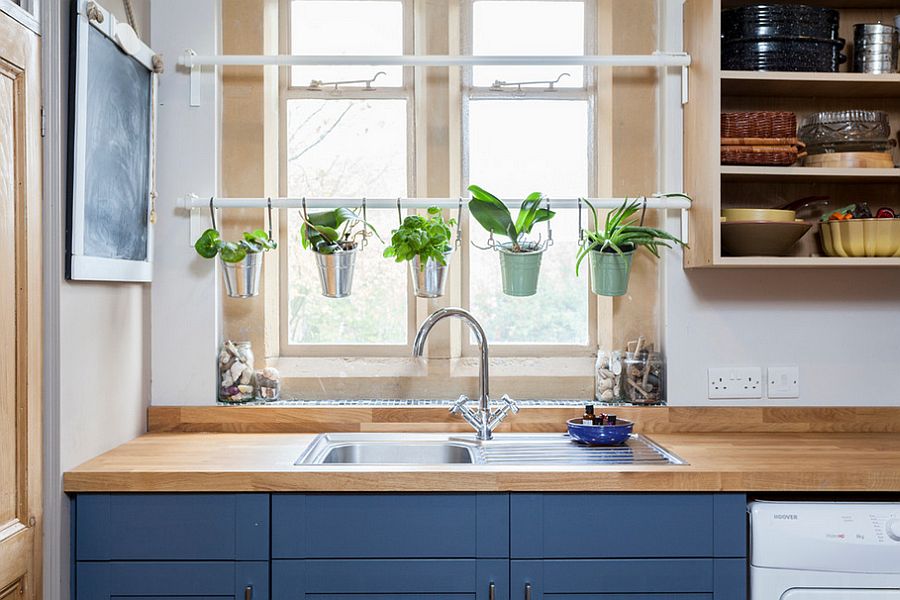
column 824, row 551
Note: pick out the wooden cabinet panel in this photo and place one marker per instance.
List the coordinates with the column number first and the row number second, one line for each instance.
column 172, row 527
column 390, row 525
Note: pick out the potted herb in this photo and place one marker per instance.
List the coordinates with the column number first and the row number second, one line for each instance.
column 424, row 242
column 241, row 261
column 612, row 247
column 333, row 237
column 520, row 258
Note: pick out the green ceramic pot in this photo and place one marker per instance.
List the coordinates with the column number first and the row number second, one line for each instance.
column 610, row 272
column 520, row 270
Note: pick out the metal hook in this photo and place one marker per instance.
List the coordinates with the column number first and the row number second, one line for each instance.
column 212, row 212
column 399, row 212
column 269, row 212
column 580, row 228
column 643, row 211
column 365, row 229
column 549, row 228
column 459, row 209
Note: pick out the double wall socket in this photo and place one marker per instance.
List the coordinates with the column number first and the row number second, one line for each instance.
column 735, row 382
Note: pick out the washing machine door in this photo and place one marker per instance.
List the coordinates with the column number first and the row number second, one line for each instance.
column 840, row 594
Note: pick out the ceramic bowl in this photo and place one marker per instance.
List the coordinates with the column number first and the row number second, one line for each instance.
column 861, row 237
column 600, row 435
column 761, row 238
column 759, row 214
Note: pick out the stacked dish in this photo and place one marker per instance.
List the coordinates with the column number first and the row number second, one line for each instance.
column 760, row 232
column 782, row 37
column 848, row 138
column 875, row 48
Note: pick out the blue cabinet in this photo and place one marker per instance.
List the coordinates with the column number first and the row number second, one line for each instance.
column 460, row 546
column 171, row 546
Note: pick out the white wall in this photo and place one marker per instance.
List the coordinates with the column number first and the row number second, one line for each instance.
column 96, row 347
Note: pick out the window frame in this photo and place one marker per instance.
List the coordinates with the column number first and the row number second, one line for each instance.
column 588, row 92
column 287, row 92
column 457, row 346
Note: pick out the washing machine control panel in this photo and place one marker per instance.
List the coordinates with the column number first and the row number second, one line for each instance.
column 821, row 535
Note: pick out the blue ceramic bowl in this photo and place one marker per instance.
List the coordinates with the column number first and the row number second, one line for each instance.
column 600, row 435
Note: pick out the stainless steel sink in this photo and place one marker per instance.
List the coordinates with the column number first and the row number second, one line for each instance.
column 504, row 449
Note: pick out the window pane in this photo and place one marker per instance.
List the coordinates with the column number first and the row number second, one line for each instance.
column 347, row 148
column 508, row 27
column 346, row 27
column 550, row 155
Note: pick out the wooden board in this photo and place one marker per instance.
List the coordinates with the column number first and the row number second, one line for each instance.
column 660, row 419
column 740, row 462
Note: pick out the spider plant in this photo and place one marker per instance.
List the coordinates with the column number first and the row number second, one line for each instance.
column 621, row 233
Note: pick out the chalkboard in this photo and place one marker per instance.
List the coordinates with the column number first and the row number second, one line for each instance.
column 112, row 118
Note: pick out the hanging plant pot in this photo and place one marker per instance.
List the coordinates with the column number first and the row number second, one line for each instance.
column 430, row 279
column 610, row 272
column 520, row 270
column 242, row 277
column 336, row 271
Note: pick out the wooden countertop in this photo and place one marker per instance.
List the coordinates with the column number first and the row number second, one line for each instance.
column 264, row 462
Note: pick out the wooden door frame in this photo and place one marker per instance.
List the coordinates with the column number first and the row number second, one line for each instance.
column 20, row 48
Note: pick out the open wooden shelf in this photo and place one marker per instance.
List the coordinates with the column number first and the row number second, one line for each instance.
column 810, row 174
column 713, row 186
column 831, row 85
column 805, row 261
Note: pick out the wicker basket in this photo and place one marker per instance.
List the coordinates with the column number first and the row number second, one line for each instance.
column 759, row 124
column 778, row 158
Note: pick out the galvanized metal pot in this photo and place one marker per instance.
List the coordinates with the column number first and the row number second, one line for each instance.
column 610, row 272
column 242, row 278
column 430, row 279
column 520, row 270
column 336, row 272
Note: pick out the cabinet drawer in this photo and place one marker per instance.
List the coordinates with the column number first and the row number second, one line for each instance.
column 390, row 525
column 625, row 526
column 172, row 527
column 453, row 579
column 223, row 580
column 566, row 579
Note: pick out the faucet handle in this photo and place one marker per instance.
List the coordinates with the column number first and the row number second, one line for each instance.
column 459, row 405
column 510, row 403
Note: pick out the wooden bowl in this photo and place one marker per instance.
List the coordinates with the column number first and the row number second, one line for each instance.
column 759, row 214
column 761, row 238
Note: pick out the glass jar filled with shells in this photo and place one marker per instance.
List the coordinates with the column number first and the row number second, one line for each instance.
column 607, row 376
column 236, row 373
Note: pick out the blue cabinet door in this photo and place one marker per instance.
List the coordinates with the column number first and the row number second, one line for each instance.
column 386, row 579
column 219, row 580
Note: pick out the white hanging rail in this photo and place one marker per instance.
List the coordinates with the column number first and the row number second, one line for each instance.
column 192, row 201
column 657, row 59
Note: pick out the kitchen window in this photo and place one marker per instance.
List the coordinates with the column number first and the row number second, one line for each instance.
column 352, row 142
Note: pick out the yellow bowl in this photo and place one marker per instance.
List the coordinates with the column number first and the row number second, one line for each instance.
column 759, row 214
column 861, row 238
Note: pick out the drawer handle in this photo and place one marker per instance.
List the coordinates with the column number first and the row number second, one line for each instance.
column 491, row 590
column 248, row 592
column 527, row 591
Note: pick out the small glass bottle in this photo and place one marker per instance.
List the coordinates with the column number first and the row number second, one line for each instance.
column 588, row 417
column 268, row 384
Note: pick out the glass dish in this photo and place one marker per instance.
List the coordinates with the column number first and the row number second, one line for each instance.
column 845, row 126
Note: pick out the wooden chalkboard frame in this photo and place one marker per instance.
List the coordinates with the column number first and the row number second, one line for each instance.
column 79, row 265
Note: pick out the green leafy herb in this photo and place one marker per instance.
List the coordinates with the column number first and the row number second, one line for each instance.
column 620, row 234
column 493, row 215
column 332, row 231
column 423, row 237
column 210, row 244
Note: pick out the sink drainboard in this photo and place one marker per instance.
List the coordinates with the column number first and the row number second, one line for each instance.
column 561, row 450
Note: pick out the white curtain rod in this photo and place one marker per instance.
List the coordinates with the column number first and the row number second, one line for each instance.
column 193, row 201
column 657, row 59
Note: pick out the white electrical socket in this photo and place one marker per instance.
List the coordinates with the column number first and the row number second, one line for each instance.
column 735, row 382
column 783, row 382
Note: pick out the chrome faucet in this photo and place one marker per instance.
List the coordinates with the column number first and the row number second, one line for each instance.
column 482, row 419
